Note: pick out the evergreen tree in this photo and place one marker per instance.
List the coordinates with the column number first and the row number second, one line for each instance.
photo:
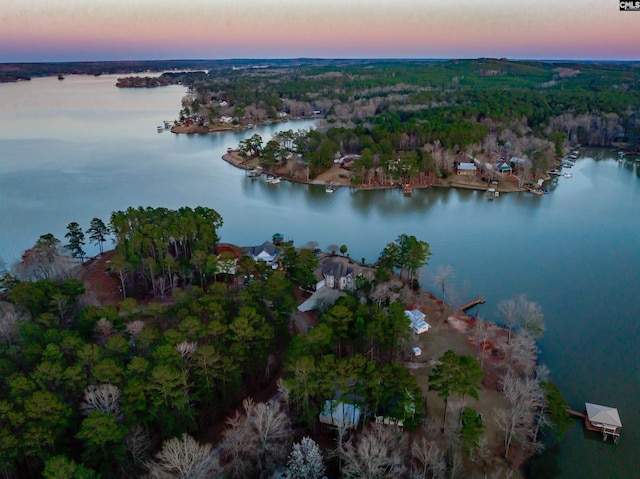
column 98, row 232
column 455, row 374
column 75, row 235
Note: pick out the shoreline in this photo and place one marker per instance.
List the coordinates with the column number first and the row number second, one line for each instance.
column 203, row 130
column 334, row 175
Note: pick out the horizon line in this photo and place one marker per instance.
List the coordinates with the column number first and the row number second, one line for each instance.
column 545, row 60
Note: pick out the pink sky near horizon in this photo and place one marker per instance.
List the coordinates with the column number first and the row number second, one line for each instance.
column 77, row 30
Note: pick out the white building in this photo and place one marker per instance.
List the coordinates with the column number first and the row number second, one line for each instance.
column 417, row 321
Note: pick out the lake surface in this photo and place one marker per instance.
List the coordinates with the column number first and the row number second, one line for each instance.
column 75, row 149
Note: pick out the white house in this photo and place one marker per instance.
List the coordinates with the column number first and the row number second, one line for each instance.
column 417, row 321
column 266, row 252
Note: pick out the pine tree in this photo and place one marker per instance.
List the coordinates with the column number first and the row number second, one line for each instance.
column 75, row 235
column 98, row 232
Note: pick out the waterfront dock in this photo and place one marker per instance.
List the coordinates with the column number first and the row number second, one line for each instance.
column 579, row 415
column 472, row 303
column 603, row 419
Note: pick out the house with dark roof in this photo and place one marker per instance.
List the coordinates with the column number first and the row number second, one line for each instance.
column 503, row 167
column 266, row 252
column 338, row 274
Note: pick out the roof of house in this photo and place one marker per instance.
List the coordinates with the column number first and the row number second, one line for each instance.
column 324, row 296
column 341, row 412
column 415, row 315
column 337, row 268
column 266, row 247
column 467, row 166
column 603, row 414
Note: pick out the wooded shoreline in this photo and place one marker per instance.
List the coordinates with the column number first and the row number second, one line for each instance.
column 333, row 176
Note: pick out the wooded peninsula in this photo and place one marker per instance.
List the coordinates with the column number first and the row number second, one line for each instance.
column 416, row 122
column 177, row 355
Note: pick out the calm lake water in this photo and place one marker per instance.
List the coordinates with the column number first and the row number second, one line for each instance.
column 75, row 149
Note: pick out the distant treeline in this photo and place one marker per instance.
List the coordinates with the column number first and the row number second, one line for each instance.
column 11, row 72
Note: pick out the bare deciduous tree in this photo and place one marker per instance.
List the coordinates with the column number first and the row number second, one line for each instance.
column 10, row 318
column 428, row 460
column 138, row 443
column 378, row 453
column 134, row 329
column 284, row 393
column 441, row 280
column 522, row 313
column 104, row 327
column 387, row 292
column 532, row 319
column 184, row 458
column 482, row 455
column 186, row 349
column 104, row 398
column 518, row 420
column 481, row 333
column 509, row 312
column 524, row 353
column 257, row 441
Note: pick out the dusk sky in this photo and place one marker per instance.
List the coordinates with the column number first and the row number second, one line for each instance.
column 76, row 30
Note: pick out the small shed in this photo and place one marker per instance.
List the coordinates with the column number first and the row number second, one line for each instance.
column 603, row 419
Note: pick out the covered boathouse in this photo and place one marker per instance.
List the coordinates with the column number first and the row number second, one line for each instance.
column 603, row 419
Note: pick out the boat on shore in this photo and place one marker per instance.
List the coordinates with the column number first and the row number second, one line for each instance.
column 331, row 187
column 256, row 173
column 273, row 180
column 568, row 175
column 554, row 172
column 492, row 193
